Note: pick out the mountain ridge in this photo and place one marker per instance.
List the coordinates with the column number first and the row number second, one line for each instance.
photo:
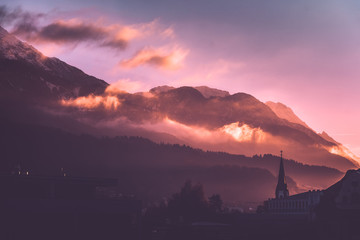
column 237, row 121
column 139, row 162
column 206, row 91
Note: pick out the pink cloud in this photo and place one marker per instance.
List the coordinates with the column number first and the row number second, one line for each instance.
column 161, row 57
column 125, row 85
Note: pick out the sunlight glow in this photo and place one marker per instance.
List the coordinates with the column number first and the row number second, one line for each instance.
column 344, row 152
column 91, row 101
column 244, row 133
column 190, row 131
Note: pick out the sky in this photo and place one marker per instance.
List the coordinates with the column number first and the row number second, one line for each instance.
column 305, row 54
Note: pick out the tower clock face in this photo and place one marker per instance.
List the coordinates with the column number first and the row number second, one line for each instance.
column 281, row 194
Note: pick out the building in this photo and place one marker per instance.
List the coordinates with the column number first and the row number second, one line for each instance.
column 301, row 204
column 63, row 207
column 339, row 209
column 344, row 196
column 348, row 191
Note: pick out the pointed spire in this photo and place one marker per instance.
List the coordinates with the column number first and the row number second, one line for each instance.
column 281, row 177
column 281, row 188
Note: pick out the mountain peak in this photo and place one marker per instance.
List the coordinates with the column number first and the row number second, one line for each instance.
column 3, row 32
column 160, row 89
column 185, row 94
column 208, row 92
column 284, row 112
column 326, row 136
column 13, row 49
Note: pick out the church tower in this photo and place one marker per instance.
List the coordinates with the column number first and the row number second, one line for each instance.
column 281, row 188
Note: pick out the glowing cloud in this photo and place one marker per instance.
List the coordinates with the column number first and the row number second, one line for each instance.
column 109, row 100
column 91, row 101
column 241, row 134
column 344, row 152
column 124, row 85
column 126, row 32
column 244, row 133
column 161, row 57
column 188, row 131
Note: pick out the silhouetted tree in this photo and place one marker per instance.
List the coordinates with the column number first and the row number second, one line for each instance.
column 190, row 204
column 215, row 203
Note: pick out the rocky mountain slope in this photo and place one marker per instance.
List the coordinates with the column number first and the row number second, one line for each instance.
column 283, row 111
column 25, row 71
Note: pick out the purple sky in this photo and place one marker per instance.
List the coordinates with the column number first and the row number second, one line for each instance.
column 305, row 54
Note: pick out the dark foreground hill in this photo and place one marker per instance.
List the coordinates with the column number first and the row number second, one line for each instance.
column 149, row 170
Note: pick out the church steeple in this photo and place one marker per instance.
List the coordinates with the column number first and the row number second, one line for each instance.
column 281, row 188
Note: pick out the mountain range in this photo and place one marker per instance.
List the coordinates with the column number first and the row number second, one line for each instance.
column 38, row 91
column 237, row 123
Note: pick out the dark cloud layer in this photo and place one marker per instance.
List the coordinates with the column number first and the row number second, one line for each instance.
column 25, row 24
column 115, row 43
column 23, row 21
column 61, row 32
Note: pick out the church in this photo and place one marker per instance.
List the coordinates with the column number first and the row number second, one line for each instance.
column 301, row 204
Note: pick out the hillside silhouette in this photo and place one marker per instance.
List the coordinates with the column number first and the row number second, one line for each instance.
column 147, row 169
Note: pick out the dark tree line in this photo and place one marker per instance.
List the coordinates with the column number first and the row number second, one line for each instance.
column 185, row 207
